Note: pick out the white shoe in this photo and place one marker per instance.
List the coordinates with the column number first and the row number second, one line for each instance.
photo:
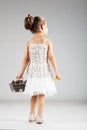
column 31, row 117
column 39, row 119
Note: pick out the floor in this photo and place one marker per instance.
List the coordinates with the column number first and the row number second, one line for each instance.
column 57, row 115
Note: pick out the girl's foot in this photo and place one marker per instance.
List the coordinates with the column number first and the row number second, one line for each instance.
column 39, row 119
column 32, row 117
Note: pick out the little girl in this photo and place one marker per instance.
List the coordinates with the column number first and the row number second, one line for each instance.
column 38, row 51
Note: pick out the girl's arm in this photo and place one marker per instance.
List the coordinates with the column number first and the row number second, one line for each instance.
column 25, row 61
column 52, row 59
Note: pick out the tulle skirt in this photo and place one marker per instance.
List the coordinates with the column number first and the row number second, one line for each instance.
column 40, row 85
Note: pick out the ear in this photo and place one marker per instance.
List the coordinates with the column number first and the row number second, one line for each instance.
column 41, row 27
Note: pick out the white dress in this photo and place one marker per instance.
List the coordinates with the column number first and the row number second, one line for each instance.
column 39, row 78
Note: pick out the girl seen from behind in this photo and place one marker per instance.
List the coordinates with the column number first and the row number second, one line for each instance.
column 38, row 51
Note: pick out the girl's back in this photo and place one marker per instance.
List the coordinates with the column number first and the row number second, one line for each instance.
column 39, row 66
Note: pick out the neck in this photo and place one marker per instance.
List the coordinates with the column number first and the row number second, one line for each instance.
column 39, row 35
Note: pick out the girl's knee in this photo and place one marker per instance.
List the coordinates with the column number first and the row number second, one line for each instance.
column 41, row 95
column 34, row 96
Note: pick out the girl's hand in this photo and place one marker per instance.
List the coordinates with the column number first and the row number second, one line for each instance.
column 20, row 75
column 58, row 77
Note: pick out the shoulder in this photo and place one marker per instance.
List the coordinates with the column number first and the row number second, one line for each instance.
column 28, row 43
column 49, row 42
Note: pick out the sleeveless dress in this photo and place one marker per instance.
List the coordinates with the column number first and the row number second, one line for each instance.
column 39, row 78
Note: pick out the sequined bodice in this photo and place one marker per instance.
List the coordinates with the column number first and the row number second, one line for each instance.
column 39, row 66
column 38, row 53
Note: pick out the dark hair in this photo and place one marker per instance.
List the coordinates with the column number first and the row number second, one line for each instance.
column 33, row 23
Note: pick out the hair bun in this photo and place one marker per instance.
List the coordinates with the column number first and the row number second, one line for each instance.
column 29, row 21
column 30, row 18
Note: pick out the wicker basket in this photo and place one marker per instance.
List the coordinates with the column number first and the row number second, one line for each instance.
column 18, row 85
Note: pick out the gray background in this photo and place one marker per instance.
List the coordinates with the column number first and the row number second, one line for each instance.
column 67, row 23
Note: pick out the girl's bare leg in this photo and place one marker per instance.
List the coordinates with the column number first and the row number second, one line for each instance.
column 33, row 103
column 41, row 102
